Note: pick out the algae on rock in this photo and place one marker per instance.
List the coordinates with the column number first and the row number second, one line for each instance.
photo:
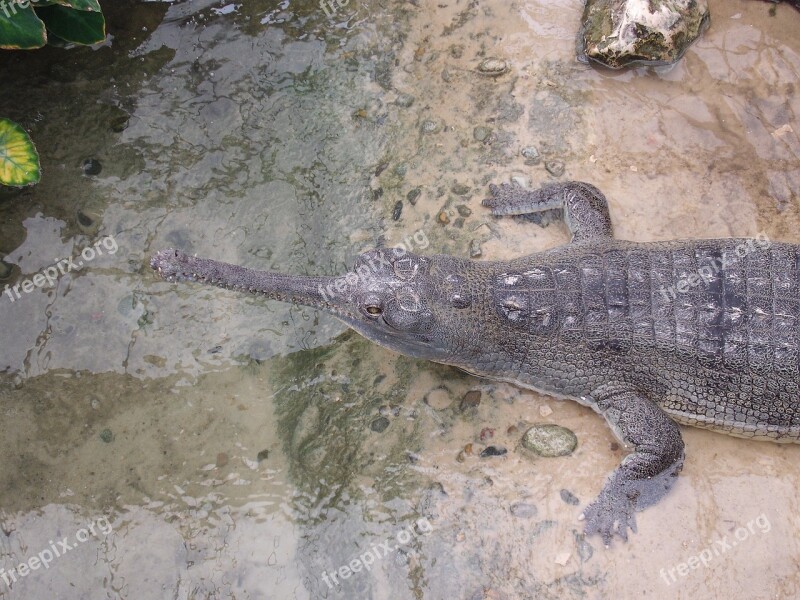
column 618, row 33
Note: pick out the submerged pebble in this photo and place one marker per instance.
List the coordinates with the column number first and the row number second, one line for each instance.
column 470, row 400
column 107, row 436
column 550, row 440
column 91, row 166
column 475, row 250
column 555, row 167
column 531, row 155
column 569, row 498
column 397, row 210
column 413, row 196
column 493, row 67
column 430, row 126
column 481, row 133
column 523, row 510
column 379, row 425
column 262, row 456
column 405, row 100
column 493, row 451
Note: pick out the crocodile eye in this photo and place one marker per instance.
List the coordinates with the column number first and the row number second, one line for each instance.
column 372, row 305
column 374, row 310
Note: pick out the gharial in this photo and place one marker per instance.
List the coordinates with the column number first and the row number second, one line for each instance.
column 649, row 335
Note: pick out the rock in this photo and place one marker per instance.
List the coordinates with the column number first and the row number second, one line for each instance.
column 475, row 249
column 5, row 270
column 531, row 155
column 618, row 33
column 523, row 510
column 438, row 399
column 493, row 451
column 569, row 498
column 397, row 210
column 107, row 436
column 470, row 400
column 459, row 189
column 87, row 221
column 262, row 456
column 91, row 166
column 443, row 217
column 545, row 411
column 430, row 126
column 222, row 459
column 550, row 440
column 562, row 558
column 555, row 167
column 464, row 210
column 492, row 67
column 520, row 180
column 413, row 196
column 447, row 76
column 379, row 425
column 481, row 133
column 405, row 100
column 486, row 433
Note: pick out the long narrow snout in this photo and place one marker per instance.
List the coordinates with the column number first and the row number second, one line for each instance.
column 174, row 265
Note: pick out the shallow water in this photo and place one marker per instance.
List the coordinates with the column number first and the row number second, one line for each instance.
column 228, row 442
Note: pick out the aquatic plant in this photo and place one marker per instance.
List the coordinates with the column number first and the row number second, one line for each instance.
column 26, row 25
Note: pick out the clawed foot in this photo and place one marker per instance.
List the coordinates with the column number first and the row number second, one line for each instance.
column 613, row 512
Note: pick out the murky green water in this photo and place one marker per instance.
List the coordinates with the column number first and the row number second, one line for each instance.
column 231, row 447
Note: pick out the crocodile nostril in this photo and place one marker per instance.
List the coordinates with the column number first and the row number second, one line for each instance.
column 459, row 300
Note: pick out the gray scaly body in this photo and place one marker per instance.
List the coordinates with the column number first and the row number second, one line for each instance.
column 698, row 332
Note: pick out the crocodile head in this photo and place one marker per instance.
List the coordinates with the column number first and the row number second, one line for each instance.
column 420, row 306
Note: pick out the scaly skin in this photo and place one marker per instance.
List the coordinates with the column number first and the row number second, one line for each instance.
column 699, row 332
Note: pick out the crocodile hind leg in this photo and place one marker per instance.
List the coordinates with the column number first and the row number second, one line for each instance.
column 585, row 207
column 645, row 475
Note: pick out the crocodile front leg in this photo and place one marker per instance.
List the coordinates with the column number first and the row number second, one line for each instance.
column 644, row 476
column 585, row 207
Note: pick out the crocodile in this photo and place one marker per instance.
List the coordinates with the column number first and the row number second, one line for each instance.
column 649, row 335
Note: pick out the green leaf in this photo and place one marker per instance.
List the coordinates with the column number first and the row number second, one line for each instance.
column 19, row 161
column 20, row 28
column 90, row 5
column 77, row 26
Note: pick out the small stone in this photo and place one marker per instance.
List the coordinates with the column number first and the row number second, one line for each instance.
column 569, row 498
column 461, row 456
column 585, row 550
column 380, row 169
column 401, row 169
column 5, row 270
column 492, row 67
column 215, row 350
column 397, row 210
column 222, row 459
column 119, row 123
column 443, row 217
column 486, row 433
column 531, row 155
column 470, row 400
column 562, row 558
column 493, row 451
column 550, row 440
column 413, row 196
column 446, row 75
column 262, row 456
column 438, row 399
column 377, row 193
column 512, row 430
column 379, row 425
column 481, row 133
column 523, row 510
column 545, row 410
column 430, row 126
column 456, row 50
column 91, row 166
column 459, row 189
column 475, row 249
column 464, row 210
column 389, row 411
column 613, row 446
column 107, row 436
column 468, row 450
column 520, row 180
column 405, row 100
column 555, row 167
column 459, row 223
